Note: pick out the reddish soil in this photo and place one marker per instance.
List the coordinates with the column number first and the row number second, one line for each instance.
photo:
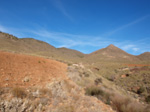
column 136, row 65
column 140, row 69
column 14, row 68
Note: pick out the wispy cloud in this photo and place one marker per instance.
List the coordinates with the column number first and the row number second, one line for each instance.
column 127, row 47
column 59, row 5
column 69, row 40
column 135, row 49
column 127, row 25
column 132, row 47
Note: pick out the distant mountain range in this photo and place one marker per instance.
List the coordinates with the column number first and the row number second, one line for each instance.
column 35, row 47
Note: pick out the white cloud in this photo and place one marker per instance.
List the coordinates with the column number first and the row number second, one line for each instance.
column 135, row 49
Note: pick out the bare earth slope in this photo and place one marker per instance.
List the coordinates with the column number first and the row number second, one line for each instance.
column 24, row 71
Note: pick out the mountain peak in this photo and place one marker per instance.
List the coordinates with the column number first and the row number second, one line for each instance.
column 111, row 46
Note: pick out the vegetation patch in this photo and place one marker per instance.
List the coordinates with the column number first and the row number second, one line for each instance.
column 147, row 99
column 118, row 102
column 19, row 92
column 99, row 93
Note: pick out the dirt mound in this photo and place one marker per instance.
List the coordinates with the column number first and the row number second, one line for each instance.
column 25, row 71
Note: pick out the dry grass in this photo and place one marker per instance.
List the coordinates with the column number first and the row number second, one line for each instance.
column 19, row 92
column 99, row 93
column 147, row 99
column 44, row 91
column 94, row 90
column 1, row 90
column 66, row 108
column 124, row 104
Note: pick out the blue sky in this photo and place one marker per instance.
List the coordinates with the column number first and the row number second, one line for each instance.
column 84, row 25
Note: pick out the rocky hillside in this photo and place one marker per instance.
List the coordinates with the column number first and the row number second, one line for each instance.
column 35, row 84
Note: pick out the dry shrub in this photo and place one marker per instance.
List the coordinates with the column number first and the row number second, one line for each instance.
column 147, row 109
column 68, row 85
column 67, row 108
column 118, row 102
column 19, row 92
column 44, row 91
column 147, row 99
column 133, row 107
column 30, row 96
column 99, row 93
column 140, row 90
column 94, row 91
column 1, row 91
column 124, row 104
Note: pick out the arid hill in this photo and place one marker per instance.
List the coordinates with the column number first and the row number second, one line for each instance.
column 36, row 47
column 41, row 84
column 145, row 56
column 111, row 53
